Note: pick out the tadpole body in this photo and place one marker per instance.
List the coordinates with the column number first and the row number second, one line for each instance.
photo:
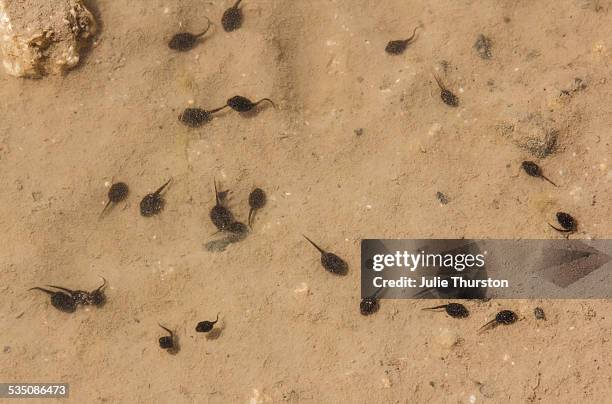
column 369, row 304
column 232, row 18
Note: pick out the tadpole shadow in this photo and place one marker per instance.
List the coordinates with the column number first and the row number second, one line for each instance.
column 215, row 333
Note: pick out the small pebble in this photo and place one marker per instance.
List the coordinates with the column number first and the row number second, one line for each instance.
column 442, row 198
column 539, row 313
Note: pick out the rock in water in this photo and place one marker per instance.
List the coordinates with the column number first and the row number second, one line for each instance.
column 40, row 37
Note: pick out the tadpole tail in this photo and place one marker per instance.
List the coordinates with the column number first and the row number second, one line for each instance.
column 559, row 230
column 101, row 286
column 550, row 181
column 375, row 294
column 487, row 326
column 439, row 82
column 212, row 111
column 236, row 4
column 216, row 192
column 217, row 319
column 169, row 332
column 61, row 288
column 251, row 216
column 207, row 28
column 316, row 246
column 435, row 308
column 162, row 187
column 266, row 99
column 104, row 210
column 44, row 290
column 413, row 34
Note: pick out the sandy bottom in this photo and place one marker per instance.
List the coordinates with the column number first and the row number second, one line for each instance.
column 358, row 148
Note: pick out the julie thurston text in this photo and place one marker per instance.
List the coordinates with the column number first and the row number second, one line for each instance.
column 438, row 282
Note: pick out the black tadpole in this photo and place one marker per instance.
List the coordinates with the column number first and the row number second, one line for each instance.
column 505, row 317
column 242, row 104
column 257, row 200
column 184, row 41
column 398, row 47
column 369, row 305
column 206, row 326
column 116, row 193
column 196, row 117
column 331, row 262
column 567, row 222
column 232, row 18
column 447, row 96
column 455, row 310
column 221, row 216
column 60, row 300
column 167, row 342
column 153, row 203
column 97, row 297
column 534, row 170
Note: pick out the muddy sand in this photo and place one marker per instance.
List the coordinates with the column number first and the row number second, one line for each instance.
column 358, row 147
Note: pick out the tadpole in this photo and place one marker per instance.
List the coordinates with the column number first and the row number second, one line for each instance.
column 184, row 41
column 168, row 342
column 206, row 326
column 116, row 193
column 505, row 317
column 330, row 261
column 447, row 96
column 567, row 222
column 369, row 304
column 242, row 104
column 196, row 117
column 220, row 215
column 455, row 310
column 398, row 47
column 257, row 200
column 60, row 300
column 232, row 18
column 534, row 170
column 153, row 203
